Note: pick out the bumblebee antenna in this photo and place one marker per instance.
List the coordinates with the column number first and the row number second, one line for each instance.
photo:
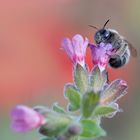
column 106, row 23
column 93, row 27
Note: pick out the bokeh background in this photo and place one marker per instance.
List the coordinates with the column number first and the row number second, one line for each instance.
column 33, row 68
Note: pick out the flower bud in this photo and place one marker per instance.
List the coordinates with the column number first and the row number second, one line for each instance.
column 74, row 129
column 113, row 92
column 25, row 119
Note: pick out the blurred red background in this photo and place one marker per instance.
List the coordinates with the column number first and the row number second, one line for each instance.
column 30, row 38
column 33, row 68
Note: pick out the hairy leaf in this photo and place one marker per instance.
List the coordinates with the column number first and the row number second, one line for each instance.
column 89, row 102
column 91, row 129
column 81, row 78
column 103, row 110
column 73, row 95
column 58, row 109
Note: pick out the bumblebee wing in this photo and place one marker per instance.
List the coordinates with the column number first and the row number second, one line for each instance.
column 132, row 49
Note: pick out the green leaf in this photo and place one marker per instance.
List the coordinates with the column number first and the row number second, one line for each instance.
column 89, row 102
column 98, row 79
column 58, row 109
column 56, row 124
column 103, row 110
column 81, row 78
column 72, row 108
column 73, row 95
column 91, row 129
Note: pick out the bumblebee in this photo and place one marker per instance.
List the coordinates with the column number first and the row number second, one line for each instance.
column 122, row 49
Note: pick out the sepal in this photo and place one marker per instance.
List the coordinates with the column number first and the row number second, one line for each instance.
column 73, row 95
column 81, row 78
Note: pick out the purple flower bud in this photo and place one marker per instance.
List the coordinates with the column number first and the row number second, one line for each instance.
column 76, row 49
column 25, row 119
column 74, row 129
column 101, row 54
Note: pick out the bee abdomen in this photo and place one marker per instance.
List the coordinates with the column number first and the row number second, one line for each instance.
column 117, row 61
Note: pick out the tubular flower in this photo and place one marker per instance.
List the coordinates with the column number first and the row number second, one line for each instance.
column 76, row 49
column 101, row 54
column 113, row 92
column 25, row 119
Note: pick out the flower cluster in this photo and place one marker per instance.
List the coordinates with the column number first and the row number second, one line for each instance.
column 90, row 97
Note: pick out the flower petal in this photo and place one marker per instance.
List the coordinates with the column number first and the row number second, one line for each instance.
column 76, row 49
column 101, row 54
column 85, row 44
column 68, row 47
column 77, row 40
column 78, row 44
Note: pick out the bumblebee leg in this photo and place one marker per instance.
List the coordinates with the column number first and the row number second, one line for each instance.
column 107, row 77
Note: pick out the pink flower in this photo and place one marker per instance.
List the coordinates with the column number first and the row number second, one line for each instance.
column 101, row 54
column 76, row 49
column 25, row 119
